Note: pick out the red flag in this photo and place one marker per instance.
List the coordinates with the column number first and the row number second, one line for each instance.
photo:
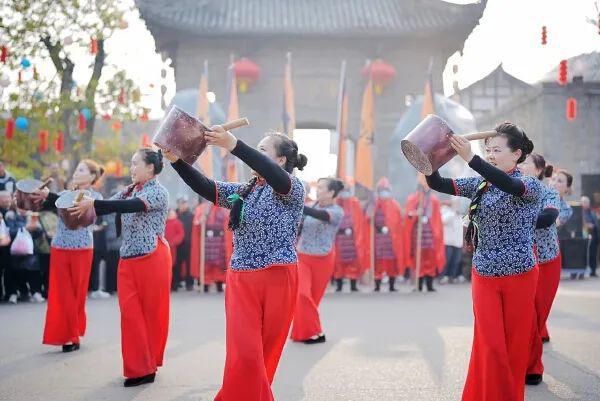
column 205, row 161
column 342, row 125
column 289, row 112
column 233, row 113
column 364, row 157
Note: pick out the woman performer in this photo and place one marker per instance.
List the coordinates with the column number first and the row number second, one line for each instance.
column 71, row 256
column 262, row 282
column 144, row 276
column 503, row 213
column 350, row 255
column 316, row 259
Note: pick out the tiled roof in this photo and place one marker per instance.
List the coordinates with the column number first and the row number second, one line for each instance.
column 310, row 17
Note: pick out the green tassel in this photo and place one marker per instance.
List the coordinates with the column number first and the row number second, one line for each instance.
column 236, row 197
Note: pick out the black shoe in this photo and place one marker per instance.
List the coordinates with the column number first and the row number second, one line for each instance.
column 353, row 286
column 393, row 284
column 429, row 282
column 420, row 284
column 545, row 340
column 593, row 274
column 533, row 380
column 206, row 288
column 136, row 381
column 219, row 286
column 377, row 285
column 318, row 340
column 339, row 285
column 70, row 347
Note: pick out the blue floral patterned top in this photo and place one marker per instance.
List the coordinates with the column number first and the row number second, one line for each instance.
column 267, row 234
column 546, row 239
column 565, row 212
column 318, row 237
column 506, row 226
column 82, row 238
column 142, row 230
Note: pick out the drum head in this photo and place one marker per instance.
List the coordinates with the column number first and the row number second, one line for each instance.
column 67, row 199
column 416, row 157
column 29, row 185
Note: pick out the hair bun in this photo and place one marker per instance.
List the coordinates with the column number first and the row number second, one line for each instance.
column 527, row 144
column 548, row 170
column 301, row 162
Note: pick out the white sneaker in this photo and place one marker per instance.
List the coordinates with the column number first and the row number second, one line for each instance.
column 94, row 295
column 12, row 299
column 461, row 279
column 103, row 294
column 444, row 280
column 37, row 298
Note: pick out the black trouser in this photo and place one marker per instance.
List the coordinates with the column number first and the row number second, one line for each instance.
column 95, row 273
column 112, row 262
column 453, row 259
column 593, row 254
column 183, row 265
column 24, row 281
column 44, row 263
column 4, row 264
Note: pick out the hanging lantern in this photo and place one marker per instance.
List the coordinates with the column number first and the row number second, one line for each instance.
column 87, row 113
column 381, row 73
column 4, row 81
column 121, row 98
column 571, row 109
column 144, row 117
column 247, row 73
column 145, row 141
column 43, row 137
column 82, row 123
column 116, row 127
column 3, row 54
column 94, row 46
column 106, row 117
column 562, row 73
column 544, row 35
column 59, row 142
column 22, row 123
column 10, row 129
column 25, row 63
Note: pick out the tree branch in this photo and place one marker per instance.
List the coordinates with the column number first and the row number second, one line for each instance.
column 54, row 51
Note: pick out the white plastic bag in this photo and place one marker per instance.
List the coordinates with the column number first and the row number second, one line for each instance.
column 4, row 233
column 22, row 244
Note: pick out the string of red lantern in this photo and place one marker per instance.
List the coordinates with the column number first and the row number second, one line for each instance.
column 562, row 73
column 145, row 141
column 122, row 96
column 59, row 142
column 43, row 137
column 82, row 123
column 571, row 109
column 10, row 129
column 544, row 35
column 3, row 54
column 94, row 46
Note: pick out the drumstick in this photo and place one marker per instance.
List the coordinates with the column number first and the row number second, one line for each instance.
column 45, row 183
column 240, row 122
column 79, row 197
column 480, row 135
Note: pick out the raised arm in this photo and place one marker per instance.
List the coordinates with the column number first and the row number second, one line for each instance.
column 199, row 183
column 133, row 205
column 317, row 213
column 440, row 184
column 497, row 177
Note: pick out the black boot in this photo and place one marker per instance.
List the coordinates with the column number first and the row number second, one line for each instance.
column 393, row 284
column 70, row 347
column 377, row 285
column 339, row 284
column 316, row 339
column 136, row 381
column 353, row 286
column 420, row 284
column 219, row 286
column 533, row 380
column 429, row 281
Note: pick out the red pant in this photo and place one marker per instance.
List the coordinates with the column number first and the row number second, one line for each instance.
column 69, row 279
column 387, row 266
column 544, row 296
column 314, row 273
column 214, row 273
column 144, row 288
column 503, row 309
column 259, row 307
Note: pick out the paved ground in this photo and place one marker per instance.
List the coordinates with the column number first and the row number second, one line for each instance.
column 381, row 347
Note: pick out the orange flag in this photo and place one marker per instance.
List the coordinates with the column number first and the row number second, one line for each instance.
column 206, row 159
column 342, row 125
column 233, row 113
column 428, row 99
column 364, row 156
column 289, row 113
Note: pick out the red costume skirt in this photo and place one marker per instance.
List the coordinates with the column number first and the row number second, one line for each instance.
column 259, row 307
column 544, row 296
column 314, row 273
column 214, row 273
column 503, row 309
column 69, row 280
column 144, row 289
column 387, row 266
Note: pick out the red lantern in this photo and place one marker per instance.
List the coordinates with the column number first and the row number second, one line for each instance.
column 106, row 117
column 381, row 72
column 43, row 137
column 4, row 54
column 144, row 117
column 10, row 129
column 145, row 141
column 544, row 35
column 82, row 123
column 571, row 109
column 94, row 46
column 59, row 142
column 116, row 127
column 246, row 73
column 562, row 73
column 122, row 96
